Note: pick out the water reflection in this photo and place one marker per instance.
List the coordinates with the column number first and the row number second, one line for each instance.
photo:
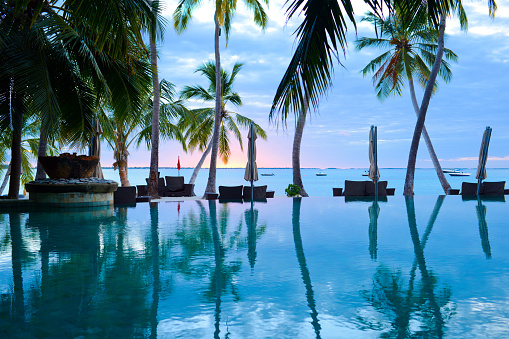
column 306, row 277
column 483, row 228
column 425, row 305
column 373, row 211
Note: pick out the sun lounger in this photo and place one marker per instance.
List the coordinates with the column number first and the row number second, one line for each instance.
column 363, row 189
column 230, row 193
column 487, row 188
column 124, row 195
column 259, row 192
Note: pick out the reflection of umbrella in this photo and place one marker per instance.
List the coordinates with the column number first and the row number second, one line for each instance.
column 251, row 173
column 251, row 216
column 95, row 148
column 483, row 156
column 483, row 228
column 374, row 211
column 374, row 173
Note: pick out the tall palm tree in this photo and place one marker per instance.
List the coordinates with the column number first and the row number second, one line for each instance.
column 120, row 130
column 409, row 49
column 53, row 54
column 200, row 134
column 322, row 36
column 223, row 17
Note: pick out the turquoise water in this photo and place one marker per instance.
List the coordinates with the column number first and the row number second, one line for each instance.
column 426, row 181
column 290, row 268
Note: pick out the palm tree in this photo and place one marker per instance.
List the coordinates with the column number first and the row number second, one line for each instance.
column 53, row 59
column 201, row 133
column 29, row 151
column 120, row 129
column 411, row 50
column 322, row 36
column 223, row 17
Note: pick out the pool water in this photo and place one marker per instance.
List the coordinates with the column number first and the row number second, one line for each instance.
column 289, row 268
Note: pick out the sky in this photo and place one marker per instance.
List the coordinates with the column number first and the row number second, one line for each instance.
column 336, row 135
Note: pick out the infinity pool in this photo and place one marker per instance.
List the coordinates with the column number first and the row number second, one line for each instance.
column 290, row 268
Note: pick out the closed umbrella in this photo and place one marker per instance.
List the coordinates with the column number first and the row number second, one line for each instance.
column 178, row 165
column 483, row 156
column 251, row 173
column 95, row 148
column 374, row 173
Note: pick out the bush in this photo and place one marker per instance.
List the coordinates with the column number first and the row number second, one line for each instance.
column 292, row 190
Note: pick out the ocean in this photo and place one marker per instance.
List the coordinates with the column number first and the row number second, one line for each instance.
column 426, row 180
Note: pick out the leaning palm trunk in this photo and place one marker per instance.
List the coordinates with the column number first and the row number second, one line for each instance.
column 14, row 181
column 440, row 173
column 43, row 145
column 211, row 183
column 154, row 153
column 297, row 139
column 6, row 179
column 412, row 157
column 122, row 172
column 200, row 163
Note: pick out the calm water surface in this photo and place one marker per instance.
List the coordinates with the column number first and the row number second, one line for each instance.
column 290, row 268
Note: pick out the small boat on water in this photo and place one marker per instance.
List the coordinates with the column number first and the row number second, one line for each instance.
column 321, row 174
column 459, row 174
column 267, row 174
column 450, row 170
column 365, row 174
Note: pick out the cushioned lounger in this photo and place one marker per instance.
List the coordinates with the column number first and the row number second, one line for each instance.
column 259, row 192
column 230, row 193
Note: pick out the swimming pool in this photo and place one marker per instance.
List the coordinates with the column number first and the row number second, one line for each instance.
column 289, row 268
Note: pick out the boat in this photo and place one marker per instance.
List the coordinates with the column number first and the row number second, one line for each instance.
column 450, row 170
column 459, row 174
column 267, row 174
column 321, row 174
column 365, row 174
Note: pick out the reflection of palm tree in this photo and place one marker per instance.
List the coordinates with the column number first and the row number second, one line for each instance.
column 154, row 221
column 428, row 280
column 306, row 278
column 16, row 243
column 389, row 296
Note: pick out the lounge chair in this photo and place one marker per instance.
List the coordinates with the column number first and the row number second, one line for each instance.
column 487, row 188
column 230, row 193
column 259, row 192
column 124, row 195
column 175, row 186
column 161, row 187
column 363, row 189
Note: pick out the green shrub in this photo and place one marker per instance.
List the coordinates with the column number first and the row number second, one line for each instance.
column 292, row 190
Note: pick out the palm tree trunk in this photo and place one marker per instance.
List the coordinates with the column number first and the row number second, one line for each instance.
column 200, row 163
column 297, row 139
column 14, row 181
column 434, row 159
column 122, row 172
column 154, row 152
column 211, row 183
column 412, row 157
column 43, row 145
column 6, row 179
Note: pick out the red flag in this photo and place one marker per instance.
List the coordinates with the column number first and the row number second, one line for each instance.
column 178, row 164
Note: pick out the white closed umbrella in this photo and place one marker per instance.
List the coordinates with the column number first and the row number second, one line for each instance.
column 374, row 173
column 483, row 156
column 251, row 173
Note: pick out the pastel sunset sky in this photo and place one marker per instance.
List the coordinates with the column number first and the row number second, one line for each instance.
column 337, row 134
